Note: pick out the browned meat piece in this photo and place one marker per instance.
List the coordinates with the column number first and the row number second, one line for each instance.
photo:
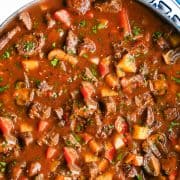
column 50, row 21
column 39, row 111
column 71, row 43
column 169, row 164
column 43, row 88
column 129, row 170
column 26, row 19
column 4, row 40
column 108, row 105
column 162, row 43
column 26, row 138
column 130, row 83
column 93, row 170
column 34, row 168
column 89, row 76
column 87, row 46
column 79, row 6
column 151, row 164
column 31, row 44
column 144, row 100
column 171, row 113
column 59, row 113
column 157, row 144
column 118, row 49
column 51, row 139
column 110, row 6
column 15, row 171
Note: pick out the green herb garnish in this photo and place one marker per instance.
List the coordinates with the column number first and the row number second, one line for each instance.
column 54, row 44
column 82, row 23
column 156, row 35
column 85, row 55
column 177, row 80
column 136, row 30
column 172, row 125
column 3, row 88
column 1, row 79
column 29, row 46
column 3, row 166
column 54, row 62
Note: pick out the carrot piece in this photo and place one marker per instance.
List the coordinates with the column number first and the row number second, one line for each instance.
column 51, row 151
column 5, row 125
column 124, row 22
column 42, row 125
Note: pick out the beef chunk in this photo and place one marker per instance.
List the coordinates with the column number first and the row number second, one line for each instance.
column 87, row 46
column 130, row 83
column 50, row 21
column 31, row 44
column 109, row 105
column 79, row 6
column 71, row 42
column 39, row 111
column 26, row 19
column 109, row 6
column 171, row 113
column 26, row 138
column 43, row 88
column 162, row 43
column 51, row 139
column 59, row 113
column 88, row 75
column 118, row 49
column 34, row 168
column 4, row 40
column 144, row 100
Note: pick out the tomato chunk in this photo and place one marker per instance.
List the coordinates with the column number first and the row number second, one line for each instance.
column 6, row 125
column 63, row 16
column 70, row 155
column 87, row 89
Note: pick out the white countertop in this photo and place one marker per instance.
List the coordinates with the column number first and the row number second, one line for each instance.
column 7, row 7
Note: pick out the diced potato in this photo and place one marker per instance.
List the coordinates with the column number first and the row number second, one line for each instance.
column 134, row 159
column 118, row 141
column 103, row 165
column 22, row 96
column 105, row 176
column 140, row 132
column 89, row 157
column 119, row 72
column 138, row 160
column 112, row 80
column 107, row 92
column 24, row 127
column 54, row 166
column 94, row 60
column 126, row 64
column 30, row 65
column 61, row 55
column 95, row 146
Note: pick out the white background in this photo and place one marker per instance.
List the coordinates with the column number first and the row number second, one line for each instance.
column 7, row 7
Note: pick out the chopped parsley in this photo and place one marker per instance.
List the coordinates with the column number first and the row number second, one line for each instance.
column 54, row 62
column 3, row 88
column 139, row 177
column 136, row 30
column 156, row 35
column 177, row 80
column 178, row 95
column 6, row 55
column 1, row 79
column 101, row 26
column 94, row 29
column 172, row 125
column 77, row 137
column 83, row 23
column 119, row 156
column 29, row 46
column 94, row 71
column 3, row 166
